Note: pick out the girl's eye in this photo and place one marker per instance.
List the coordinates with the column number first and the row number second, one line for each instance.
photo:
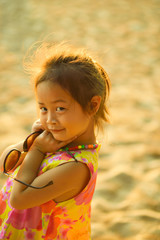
column 60, row 109
column 43, row 109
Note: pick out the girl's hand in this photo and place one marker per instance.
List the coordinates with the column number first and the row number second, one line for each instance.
column 37, row 126
column 45, row 142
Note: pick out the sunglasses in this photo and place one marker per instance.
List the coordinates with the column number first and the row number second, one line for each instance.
column 14, row 158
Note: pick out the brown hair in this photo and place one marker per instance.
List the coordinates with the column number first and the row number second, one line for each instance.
column 75, row 71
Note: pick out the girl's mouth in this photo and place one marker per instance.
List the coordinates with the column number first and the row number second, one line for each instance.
column 55, row 130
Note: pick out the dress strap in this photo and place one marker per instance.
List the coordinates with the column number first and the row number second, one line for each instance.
column 71, row 155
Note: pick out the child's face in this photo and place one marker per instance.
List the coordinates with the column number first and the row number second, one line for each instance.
column 60, row 114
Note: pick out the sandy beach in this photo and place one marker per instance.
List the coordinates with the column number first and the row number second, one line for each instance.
column 124, row 35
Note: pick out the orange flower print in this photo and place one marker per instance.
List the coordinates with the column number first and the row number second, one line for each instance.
column 48, row 206
column 2, row 203
column 79, row 233
column 52, row 227
column 87, row 194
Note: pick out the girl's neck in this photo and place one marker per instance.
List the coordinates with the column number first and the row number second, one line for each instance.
column 85, row 138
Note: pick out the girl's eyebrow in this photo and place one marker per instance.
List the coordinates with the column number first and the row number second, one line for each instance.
column 56, row 101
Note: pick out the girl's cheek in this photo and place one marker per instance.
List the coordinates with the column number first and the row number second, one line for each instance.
column 43, row 122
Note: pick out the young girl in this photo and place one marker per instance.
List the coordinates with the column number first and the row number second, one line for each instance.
column 48, row 196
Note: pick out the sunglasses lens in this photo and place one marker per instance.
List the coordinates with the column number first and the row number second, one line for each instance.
column 29, row 141
column 11, row 160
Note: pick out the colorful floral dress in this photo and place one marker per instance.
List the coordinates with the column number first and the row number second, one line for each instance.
column 66, row 220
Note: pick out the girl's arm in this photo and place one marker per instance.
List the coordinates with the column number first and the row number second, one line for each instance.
column 18, row 146
column 68, row 179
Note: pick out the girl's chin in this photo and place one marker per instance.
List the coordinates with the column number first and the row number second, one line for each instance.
column 58, row 138
column 63, row 139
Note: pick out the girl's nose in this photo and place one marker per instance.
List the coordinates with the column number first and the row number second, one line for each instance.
column 51, row 119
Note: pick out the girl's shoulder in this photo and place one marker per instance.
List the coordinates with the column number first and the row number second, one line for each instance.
column 89, row 156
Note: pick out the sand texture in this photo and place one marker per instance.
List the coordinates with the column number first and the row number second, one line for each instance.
column 125, row 36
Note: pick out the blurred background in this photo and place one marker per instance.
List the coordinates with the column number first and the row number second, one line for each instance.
column 125, row 36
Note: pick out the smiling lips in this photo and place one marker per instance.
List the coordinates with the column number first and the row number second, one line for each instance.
column 55, row 130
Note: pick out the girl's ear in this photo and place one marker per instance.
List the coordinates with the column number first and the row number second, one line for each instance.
column 94, row 105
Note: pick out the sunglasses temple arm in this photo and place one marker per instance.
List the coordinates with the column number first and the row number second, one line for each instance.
column 28, row 185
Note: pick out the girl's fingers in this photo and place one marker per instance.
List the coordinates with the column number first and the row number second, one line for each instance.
column 38, row 121
column 37, row 126
column 45, row 133
column 47, row 143
column 55, row 142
